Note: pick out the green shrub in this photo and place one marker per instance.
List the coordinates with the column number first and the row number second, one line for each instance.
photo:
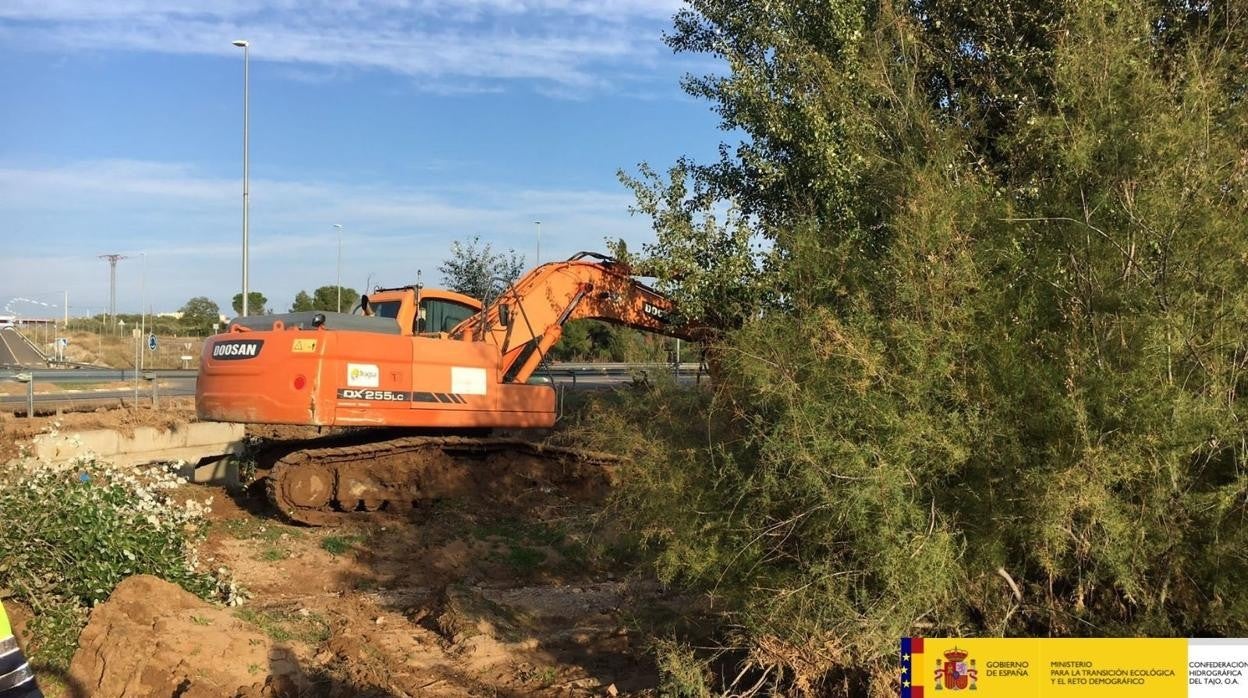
column 682, row 673
column 982, row 370
column 73, row 531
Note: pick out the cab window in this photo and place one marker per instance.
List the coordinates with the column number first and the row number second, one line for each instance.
column 388, row 309
column 438, row 315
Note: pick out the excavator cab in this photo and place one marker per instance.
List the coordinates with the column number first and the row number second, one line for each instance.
column 419, row 311
column 443, row 312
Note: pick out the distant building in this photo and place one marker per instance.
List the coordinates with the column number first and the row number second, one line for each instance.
column 8, row 320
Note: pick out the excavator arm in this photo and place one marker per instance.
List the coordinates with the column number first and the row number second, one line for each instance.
column 527, row 319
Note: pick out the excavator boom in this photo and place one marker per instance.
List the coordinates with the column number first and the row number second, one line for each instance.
column 527, row 319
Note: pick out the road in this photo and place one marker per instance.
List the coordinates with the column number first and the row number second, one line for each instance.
column 15, row 351
column 179, row 383
column 75, row 399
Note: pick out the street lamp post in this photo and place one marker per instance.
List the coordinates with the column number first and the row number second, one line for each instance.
column 539, row 241
column 142, row 304
column 339, row 283
column 246, row 46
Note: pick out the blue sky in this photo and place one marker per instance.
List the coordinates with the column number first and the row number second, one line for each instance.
column 412, row 123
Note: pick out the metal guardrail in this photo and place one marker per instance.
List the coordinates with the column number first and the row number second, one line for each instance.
column 609, row 368
column 148, row 382
column 88, row 375
column 91, row 375
column 593, row 370
column 145, row 384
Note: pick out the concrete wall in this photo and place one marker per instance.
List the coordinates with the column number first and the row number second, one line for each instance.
column 194, row 443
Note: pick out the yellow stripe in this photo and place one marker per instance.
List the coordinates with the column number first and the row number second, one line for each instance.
column 6, row 631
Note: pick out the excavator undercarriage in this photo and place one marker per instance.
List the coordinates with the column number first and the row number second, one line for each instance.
column 327, row 482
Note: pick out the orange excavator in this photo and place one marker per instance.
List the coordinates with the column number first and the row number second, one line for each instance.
column 439, row 366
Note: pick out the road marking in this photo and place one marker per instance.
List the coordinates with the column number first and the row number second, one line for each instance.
column 9, row 350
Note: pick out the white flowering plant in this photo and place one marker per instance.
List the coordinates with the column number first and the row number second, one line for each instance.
column 72, row 531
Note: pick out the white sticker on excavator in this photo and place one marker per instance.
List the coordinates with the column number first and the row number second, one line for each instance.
column 363, row 375
column 467, row 381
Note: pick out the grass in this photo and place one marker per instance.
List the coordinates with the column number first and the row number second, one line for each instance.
column 272, row 535
column 525, row 560
column 273, row 555
column 339, row 545
column 285, row 625
column 53, row 685
column 543, row 676
column 509, row 529
column 526, row 543
column 259, row 529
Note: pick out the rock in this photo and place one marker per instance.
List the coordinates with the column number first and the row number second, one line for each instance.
column 152, row 638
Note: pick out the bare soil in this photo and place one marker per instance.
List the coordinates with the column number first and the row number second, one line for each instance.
column 467, row 597
column 500, row 589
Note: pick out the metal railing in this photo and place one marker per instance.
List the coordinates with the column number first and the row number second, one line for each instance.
column 145, row 386
column 142, row 387
column 617, row 370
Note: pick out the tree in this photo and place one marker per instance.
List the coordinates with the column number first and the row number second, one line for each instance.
column 714, row 269
column 326, row 298
column 983, row 271
column 256, row 303
column 574, row 344
column 200, row 313
column 303, row 302
column 477, row 270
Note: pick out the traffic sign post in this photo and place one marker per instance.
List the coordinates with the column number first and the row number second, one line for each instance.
column 29, row 380
column 151, row 378
column 138, row 357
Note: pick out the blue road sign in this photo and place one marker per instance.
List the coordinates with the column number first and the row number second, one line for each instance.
column 151, row 342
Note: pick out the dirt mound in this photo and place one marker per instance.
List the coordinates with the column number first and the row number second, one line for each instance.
column 151, row 638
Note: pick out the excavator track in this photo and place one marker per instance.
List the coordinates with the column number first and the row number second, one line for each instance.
column 329, row 485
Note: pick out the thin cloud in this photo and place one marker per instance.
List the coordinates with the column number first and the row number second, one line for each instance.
column 188, row 225
column 563, row 46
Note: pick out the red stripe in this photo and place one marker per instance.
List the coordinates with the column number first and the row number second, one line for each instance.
column 916, row 645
